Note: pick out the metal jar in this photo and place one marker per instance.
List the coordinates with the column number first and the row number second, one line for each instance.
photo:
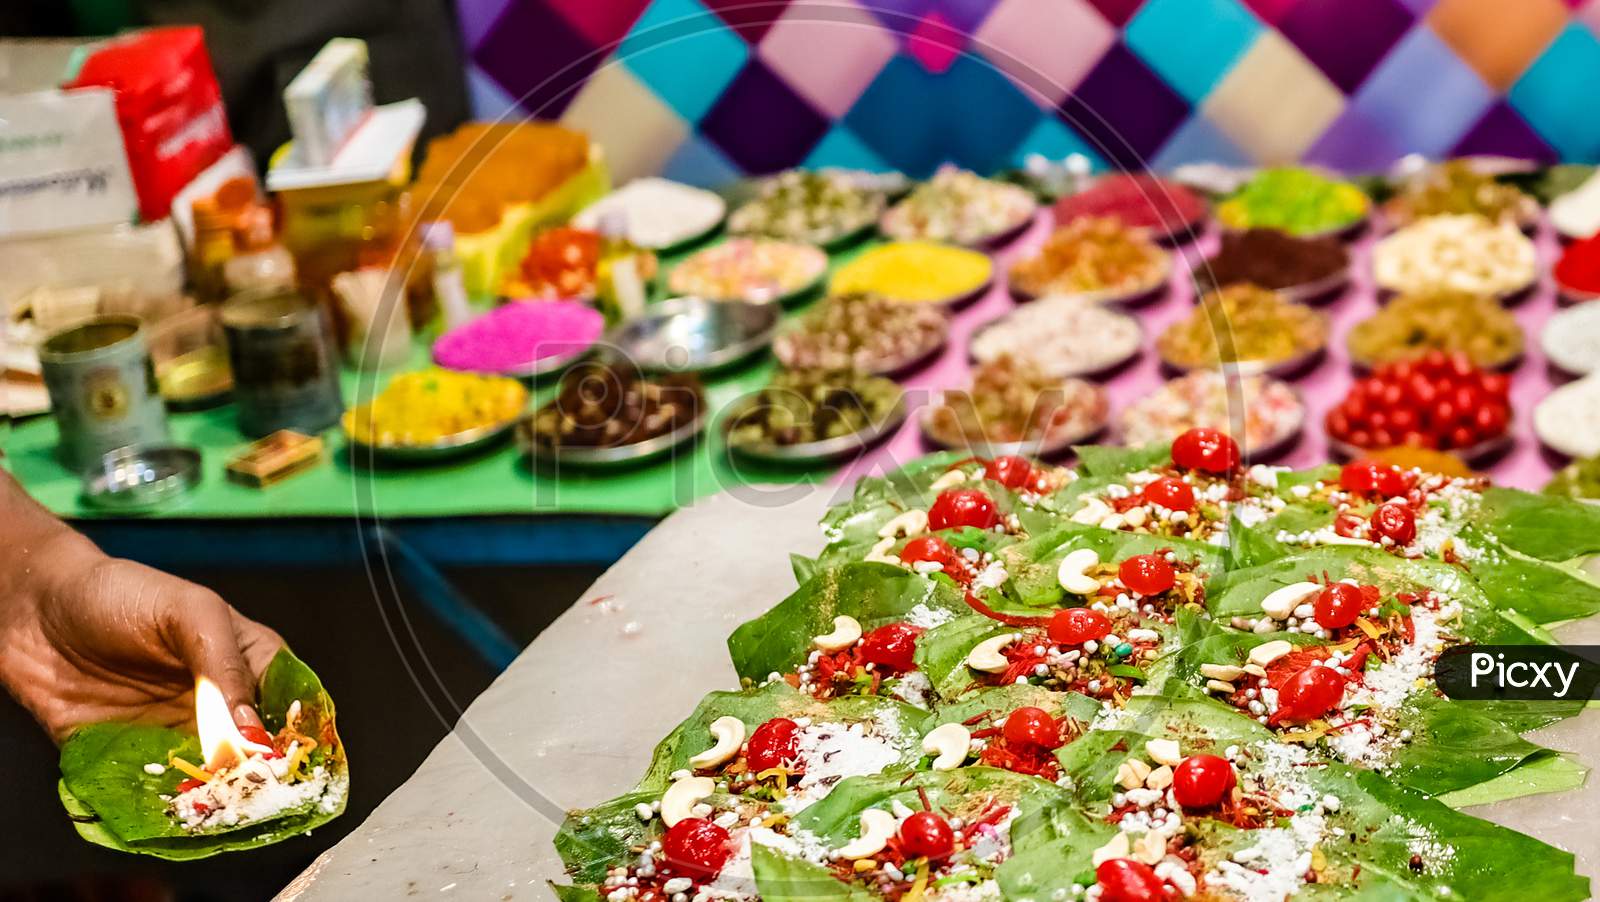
column 285, row 368
column 102, row 389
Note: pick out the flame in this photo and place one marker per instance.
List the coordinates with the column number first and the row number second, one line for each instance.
column 220, row 740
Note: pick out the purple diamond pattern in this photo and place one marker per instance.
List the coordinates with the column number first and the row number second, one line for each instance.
column 918, row 95
column 1502, row 131
column 749, row 19
column 761, row 123
column 529, row 50
column 1124, row 109
column 1345, row 38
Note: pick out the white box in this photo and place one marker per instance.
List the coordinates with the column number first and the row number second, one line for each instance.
column 62, row 163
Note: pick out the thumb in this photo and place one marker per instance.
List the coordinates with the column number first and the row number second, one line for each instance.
column 203, row 637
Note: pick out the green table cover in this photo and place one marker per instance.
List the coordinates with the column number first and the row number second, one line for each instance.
column 496, row 482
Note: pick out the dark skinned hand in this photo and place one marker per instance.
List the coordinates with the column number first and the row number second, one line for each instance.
column 86, row 638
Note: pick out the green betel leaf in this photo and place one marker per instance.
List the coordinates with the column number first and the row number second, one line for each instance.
column 755, row 707
column 1550, row 773
column 874, row 594
column 1108, row 460
column 594, row 840
column 783, row 878
column 1542, row 526
column 1032, row 565
column 115, row 803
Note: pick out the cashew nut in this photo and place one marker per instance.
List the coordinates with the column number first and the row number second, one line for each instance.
column 1224, row 672
column 986, row 656
column 952, row 478
column 1131, row 773
column 1222, row 686
column 846, row 630
column 948, row 743
column 1136, row 517
column 1093, row 511
column 1151, row 848
column 1163, row 751
column 880, row 552
column 1281, row 602
column 1160, row 778
column 908, row 524
column 877, row 827
column 1070, row 573
column 1116, row 848
column 680, row 798
column 729, row 732
column 1267, row 652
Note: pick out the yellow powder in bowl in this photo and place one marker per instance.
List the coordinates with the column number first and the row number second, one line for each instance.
column 923, row 271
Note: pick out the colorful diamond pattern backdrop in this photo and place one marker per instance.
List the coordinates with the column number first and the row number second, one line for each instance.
column 706, row 90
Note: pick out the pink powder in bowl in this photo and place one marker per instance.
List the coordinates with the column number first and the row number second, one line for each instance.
column 517, row 334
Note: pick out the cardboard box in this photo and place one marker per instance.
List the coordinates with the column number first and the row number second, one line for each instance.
column 62, row 164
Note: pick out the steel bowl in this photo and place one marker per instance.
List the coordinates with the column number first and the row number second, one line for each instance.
column 1288, row 368
column 615, row 456
column 1135, row 296
column 694, row 335
column 894, row 366
column 141, row 478
column 825, row 451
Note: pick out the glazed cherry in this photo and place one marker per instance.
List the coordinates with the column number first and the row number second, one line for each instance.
column 1210, row 450
column 1126, row 880
column 695, row 847
column 1172, row 494
column 772, row 744
column 1309, row 694
column 1395, row 522
column 1147, row 574
column 926, row 835
column 929, row 548
column 1075, row 626
column 1011, row 471
column 963, row 507
column 1032, row 726
column 260, row 736
column 892, row 645
column 189, row 784
column 1372, row 477
column 1202, row 781
column 1338, row 606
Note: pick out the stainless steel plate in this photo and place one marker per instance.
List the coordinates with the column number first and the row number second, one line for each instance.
column 826, row 451
column 137, row 479
column 1136, row 296
column 1044, row 447
column 615, row 456
column 1482, row 451
column 458, row 445
column 692, row 335
column 892, row 367
column 1298, row 365
column 1131, row 354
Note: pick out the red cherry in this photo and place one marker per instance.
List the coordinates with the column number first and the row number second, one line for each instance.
column 1075, row 626
column 1495, row 385
column 928, row 548
column 1205, row 449
column 963, row 507
column 772, row 744
column 1147, row 574
column 1011, row 471
column 1461, row 437
column 1170, row 493
column 1367, row 476
column 189, row 784
column 695, row 847
column 1033, row 726
column 1201, row 781
column 892, row 645
column 1126, row 880
column 1395, row 521
column 1309, row 694
column 926, row 835
column 1338, row 606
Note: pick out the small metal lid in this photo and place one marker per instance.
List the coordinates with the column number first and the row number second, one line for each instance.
column 141, row 478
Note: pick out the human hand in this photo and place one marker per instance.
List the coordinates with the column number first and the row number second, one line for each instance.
column 87, row 638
